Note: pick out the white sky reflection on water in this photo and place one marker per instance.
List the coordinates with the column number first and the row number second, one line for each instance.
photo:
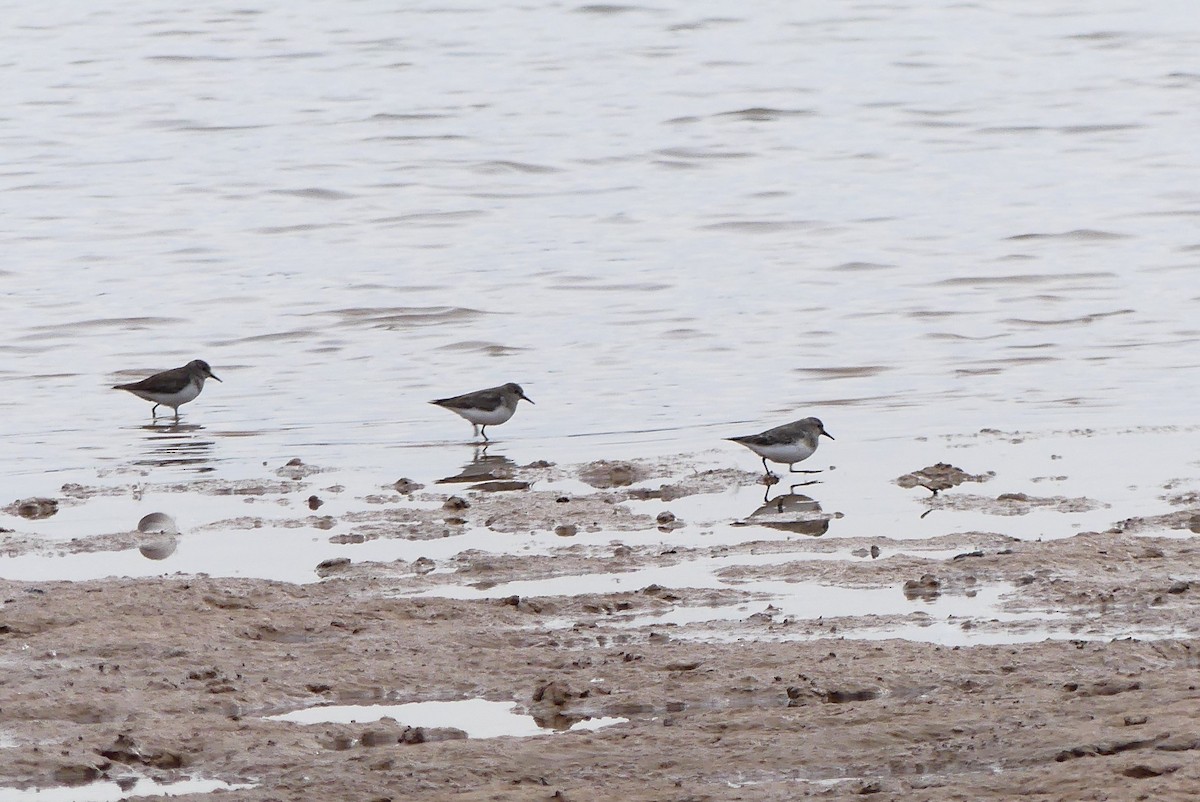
column 479, row 718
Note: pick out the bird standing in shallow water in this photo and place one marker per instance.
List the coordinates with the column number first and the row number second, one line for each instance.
column 172, row 388
column 788, row 444
column 484, row 408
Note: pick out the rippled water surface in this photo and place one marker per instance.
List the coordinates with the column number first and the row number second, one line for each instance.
column 669, row 223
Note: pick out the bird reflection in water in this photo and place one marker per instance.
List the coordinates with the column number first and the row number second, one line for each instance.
column 483, row 467
column 176, row 445
column 792, row 512
column 770, row 480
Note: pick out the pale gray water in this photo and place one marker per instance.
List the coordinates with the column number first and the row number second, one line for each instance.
column 479, row 718
column 670, row 223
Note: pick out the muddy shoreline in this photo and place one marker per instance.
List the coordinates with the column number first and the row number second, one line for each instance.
column 1071, row 672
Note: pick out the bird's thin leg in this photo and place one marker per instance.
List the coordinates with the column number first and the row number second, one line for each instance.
column 154, row 411
column 793, row 470
column 765, row 468
column 483, row 431
column 177, row 414
column 803, row 484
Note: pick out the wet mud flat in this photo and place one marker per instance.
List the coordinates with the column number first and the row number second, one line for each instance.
column 992, row 668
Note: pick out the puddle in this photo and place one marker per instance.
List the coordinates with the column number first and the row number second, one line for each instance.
column 948, row 631
column 809, row 600
column 114, row 791
column 697, row 574
column 952, row 632
column 292, row 555
column 279, row 554
column 478, row 718
column 857, row 499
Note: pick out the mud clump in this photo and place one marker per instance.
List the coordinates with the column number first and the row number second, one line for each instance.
column 34, row 509
column 941, row 476
column 295, row 469
column 406, row 487
column 549, row 704
column 603, row 474
column 124, row 749
column 332, row 566
column 928, row 587
column 500, row 486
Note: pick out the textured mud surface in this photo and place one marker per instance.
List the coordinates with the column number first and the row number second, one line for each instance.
column 1070, row 671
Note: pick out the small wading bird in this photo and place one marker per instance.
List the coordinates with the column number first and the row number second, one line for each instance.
column 172, row 388
column 787, row 444
column 484, row 408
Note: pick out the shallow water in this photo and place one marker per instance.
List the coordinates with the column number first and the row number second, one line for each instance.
column 479, row 718
column 671, row 225
column 113, row 791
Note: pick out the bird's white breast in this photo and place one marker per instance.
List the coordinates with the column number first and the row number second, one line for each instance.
column 486, row 417
column 188, row 393
column 786, row 453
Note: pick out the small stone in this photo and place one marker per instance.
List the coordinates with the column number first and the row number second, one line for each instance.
column 553, row 693
column 941, row 476
column 332, row 565
column 1179, row 587
column 1142, row 771
column 500, row 486
column 456, row 503
column 406, row 486
column 665, row 517
column 76, row 775
column 379, row 738
column 428, row 735
column 566, row 530
column 314, row 503
column 33, row 508
column 422, row 566
column 604, row 474
column 927, row 587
